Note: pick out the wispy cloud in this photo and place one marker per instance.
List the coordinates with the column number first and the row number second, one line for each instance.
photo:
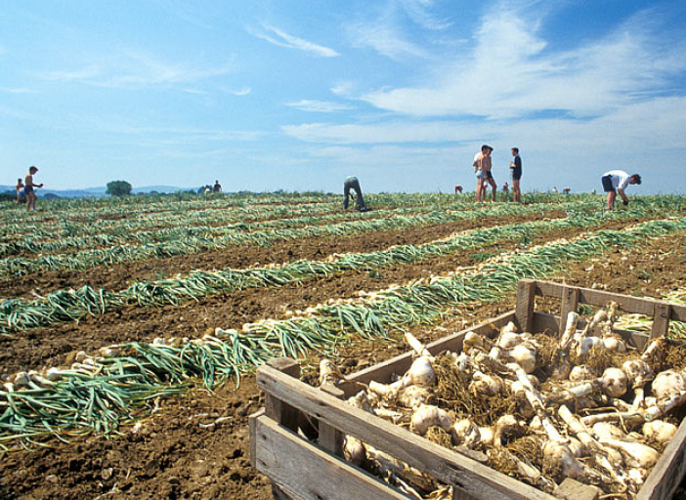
column 319, row 106
column 280, row 38
column 240, row 92
column 420, row 13
column 18, row 90
column 393, row 132
column 384, row 38
column 135, row 69
column 511, row 73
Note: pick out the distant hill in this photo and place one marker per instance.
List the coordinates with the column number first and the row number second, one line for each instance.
column 96, row 192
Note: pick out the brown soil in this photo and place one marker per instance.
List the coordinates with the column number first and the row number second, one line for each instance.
column 197, row 445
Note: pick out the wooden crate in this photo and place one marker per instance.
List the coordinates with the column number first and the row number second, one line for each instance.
column 313, row 469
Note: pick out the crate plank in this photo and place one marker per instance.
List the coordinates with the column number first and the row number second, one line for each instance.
column 443, row 464
column 570, row 303
column 382, row 372
column 524, row 309
column 305, row 472
column 661, row 320
column 644, row 305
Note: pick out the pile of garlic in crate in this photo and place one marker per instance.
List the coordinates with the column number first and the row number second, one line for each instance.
column 541, row 409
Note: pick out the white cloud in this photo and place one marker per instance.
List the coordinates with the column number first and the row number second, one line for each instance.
column 511, row 73
column 134, row 69
column 393, row 132
column 17, row 90
column 240, row 92
column 420, row 13
column 283, row 39
column 385, row 39
column 319, row 106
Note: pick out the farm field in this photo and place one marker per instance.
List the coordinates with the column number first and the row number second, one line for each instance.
column 176, row 300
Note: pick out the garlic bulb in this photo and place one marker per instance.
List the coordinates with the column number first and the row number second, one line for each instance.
column 429, row 416
column 484, row 385
column 638, row 371
column 466, row 433
column 354, row 451
column 415, row 396
column 559, row 462
column 524, row 356
column 581, row 373
column 506, row 429
column 610, row 343
column 606, row 430
column 614, row 382
column 659, row 431
column 421, row 373
column 635, row 454
column 667, row 384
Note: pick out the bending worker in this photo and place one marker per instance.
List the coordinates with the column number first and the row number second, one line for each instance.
column 354, row 184
column 616, row 181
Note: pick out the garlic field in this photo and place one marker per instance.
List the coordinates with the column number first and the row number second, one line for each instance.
column 130, row 329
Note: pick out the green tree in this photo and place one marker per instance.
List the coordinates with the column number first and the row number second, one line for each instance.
column 118, row 188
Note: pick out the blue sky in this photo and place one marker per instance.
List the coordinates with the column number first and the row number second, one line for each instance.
column 298, row 94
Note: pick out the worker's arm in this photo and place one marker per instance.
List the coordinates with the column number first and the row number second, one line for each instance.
column 624, row 198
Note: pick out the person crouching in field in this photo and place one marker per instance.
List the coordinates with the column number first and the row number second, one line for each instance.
column 28, row 189
column 353, row 183
column 616, row 181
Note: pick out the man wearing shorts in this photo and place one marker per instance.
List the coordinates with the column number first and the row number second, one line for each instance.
column 482, row 168
column 516, row 170
column 616, row 181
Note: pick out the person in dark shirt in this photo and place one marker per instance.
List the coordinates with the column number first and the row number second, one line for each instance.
column 516, row 170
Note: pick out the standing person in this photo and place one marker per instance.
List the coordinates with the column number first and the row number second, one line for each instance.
column 516, row 170
column 354, row 184
column 482, row 168
column 483, row 161
column 28, row 188
column 20, row 190
column 616, row 181
column 217, row 187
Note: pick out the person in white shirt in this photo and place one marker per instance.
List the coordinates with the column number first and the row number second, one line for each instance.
column 616, row 181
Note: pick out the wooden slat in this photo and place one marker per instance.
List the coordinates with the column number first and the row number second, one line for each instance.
column 661, row 320
column 253, row 443
column 275, row 408
column 382, row 372
column 570, row 302
column 445, row 465
column 549, row 322
column 524, row 310
column 330, row 438
column 305, row 472
column 459, row 494
column 601, row 299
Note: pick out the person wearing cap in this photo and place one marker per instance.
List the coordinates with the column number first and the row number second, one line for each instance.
column 353, row 183
column 482, row 168
column 616, row 181
column 28, row 188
